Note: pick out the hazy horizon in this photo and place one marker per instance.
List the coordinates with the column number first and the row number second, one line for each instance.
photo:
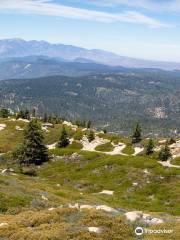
column 145, row 29
column 50, row 42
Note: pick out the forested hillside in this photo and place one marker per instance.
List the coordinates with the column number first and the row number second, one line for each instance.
column 42, row 66
column 114, row 100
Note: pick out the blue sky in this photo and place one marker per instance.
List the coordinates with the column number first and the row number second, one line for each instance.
column 148, row 29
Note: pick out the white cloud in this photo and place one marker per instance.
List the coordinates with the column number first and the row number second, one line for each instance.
column 153, row 5
column 47, row 7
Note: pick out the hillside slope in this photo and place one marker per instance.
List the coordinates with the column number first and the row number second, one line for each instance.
column 116, row 101
column 85, row 195
column 40, row 66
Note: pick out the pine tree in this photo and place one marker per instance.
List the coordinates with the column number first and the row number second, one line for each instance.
column 27, row 114
column 136, row 137
column 77, row 122
column 150, row 147
column 23, row 114
column 91, row 136
column 104, row 131
column 33, row 150
column 20, row 114
column 63, row 140
column 165, row 153
column 172, row 141
column 89, row 124
column 34, row 113
column 45, row 118
column 4, row 113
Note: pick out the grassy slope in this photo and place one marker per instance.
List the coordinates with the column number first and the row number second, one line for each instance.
column 63, row 181
column 176, row 161
column 107, row 147
column 10, row 137
column 128, row 150
column 97, row 172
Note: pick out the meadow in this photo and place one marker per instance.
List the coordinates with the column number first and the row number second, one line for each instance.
column 37, row 207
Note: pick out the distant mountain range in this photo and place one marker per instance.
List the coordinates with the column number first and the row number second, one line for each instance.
column 16, row 48
column 42, row 66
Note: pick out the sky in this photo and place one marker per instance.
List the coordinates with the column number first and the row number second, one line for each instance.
column 147, row 29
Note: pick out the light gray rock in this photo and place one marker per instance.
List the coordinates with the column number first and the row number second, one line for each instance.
column 95, row 230
column 134, row 215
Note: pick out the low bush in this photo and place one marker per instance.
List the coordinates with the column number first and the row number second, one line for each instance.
column 107, row 147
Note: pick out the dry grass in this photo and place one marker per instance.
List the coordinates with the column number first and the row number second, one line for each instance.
column 63, row 224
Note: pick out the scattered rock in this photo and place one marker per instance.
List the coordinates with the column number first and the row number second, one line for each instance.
column 138, row 150
column 44, row 198
column 95, row 230
column 106, row 209
column 23, row 120
column 117, row 149
column 175, row 149
column 143, row 217
column 168, row 164
column 134, row 215
column 45, row 129
column 7, row 171
column 90, row 146
column 151, row 197
column 47, row 125
column 2, row 126
column 76, row 205
column 147, row 218
column 75, row 156
column 146, row 171
column 107, row 192
column 3, row 224
column 51, row 209
column 162, row 141
column 135, row 184
column 86, row 207
column 52, row 146
column 69, row 124
column 19, row 128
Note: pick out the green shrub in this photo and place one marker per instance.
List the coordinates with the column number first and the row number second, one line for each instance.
column 78, row 135
column 30, row 171
column 75, row 145
column 128, row 150
column 107, row 147
column 8, row 202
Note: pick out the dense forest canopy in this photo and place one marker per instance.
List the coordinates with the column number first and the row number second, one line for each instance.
column 113, row 100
